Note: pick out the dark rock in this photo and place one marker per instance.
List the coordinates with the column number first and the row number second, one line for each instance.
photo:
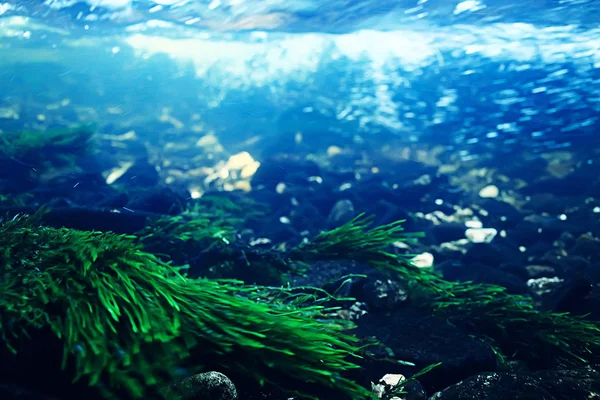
column 342, row 176
column 275, row 170
column 592, row 304
column 567, row 240
column 540, row 271
column 345, row 160
column 280, row 233
column 490, row 254
column 306, row 217
column 15, row 392
column 88, row 219
column 387, row 212
column 205, row 386
column 448, row 232
column 449, row 251
column 550, row 385
column 157, row 200
column 254, row 393
column 431, row 207
column 479, row 273
column 514, row 366
column 342, row 212
column 86, row 190
column 500, row 213
column 371, row 190
column 570, row 297
column 382, row 294
column 524, row 234
column 60, row 202
column 540, row 228
column 551, row 228
column 515, row 269
column 538, row 249
column 556, row 186
column 423, row 340
column 570, row 264
column 345, row 287
column 592, row 273
column 324, row 200
column 279, row 203
column 414, row 391
column 140, row 174
column 545, row 202
column 587, row 246
column 412, row 193
column 113, row 200
column 448, row 267
column 529, row 170
column 331, row 274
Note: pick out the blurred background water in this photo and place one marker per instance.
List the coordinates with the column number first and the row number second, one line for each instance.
column 499, row 93
column 460, row 71
column 198, row 95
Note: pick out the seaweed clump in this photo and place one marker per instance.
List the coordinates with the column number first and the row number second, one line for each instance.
column 25, row 156
column 206, row 237
column 127, row 321
column 51, row 148
column 510, row 323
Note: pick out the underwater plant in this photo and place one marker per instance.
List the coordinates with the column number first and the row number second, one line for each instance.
column 26, row 157
column 358, row 241
column 511, row 322
column 18, row 200
column 205, row 237
column 208, row 222
column 516, row 328
column 127, row 320
column 52, row 148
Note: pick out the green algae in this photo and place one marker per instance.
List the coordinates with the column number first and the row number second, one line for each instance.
column 128, row 320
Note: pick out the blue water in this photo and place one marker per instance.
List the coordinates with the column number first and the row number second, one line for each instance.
column 340, row 16
column 466, row 71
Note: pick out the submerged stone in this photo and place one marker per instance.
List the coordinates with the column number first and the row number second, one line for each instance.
column 204, row 386
column 546, row 385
